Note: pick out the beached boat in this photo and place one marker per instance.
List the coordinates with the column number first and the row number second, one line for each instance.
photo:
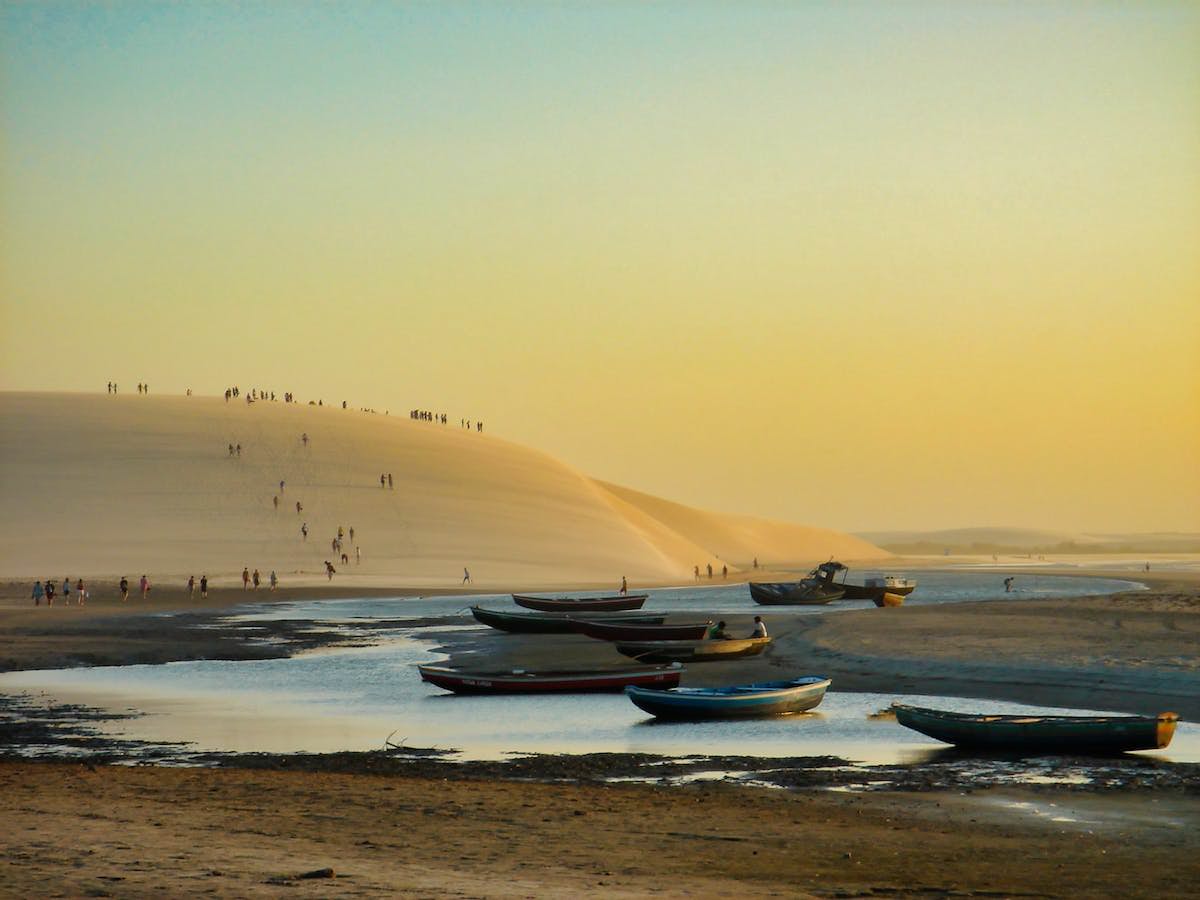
column 556, row 623
column 888, row 599
column 874, row 587
column 519, row 681
column 581, row 604
column 692, row 651
column 1041, row 734
column 817, row 588
column 793, row 593
column 630, row 631
column 769, row 698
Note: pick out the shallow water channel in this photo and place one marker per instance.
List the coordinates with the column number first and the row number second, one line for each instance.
column 356, row 698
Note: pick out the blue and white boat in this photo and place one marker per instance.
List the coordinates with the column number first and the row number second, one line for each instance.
column 768, row 698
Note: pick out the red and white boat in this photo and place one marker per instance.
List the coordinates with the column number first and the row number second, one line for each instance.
column 519, row 681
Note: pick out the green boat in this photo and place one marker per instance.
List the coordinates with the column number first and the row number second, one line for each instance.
column 1042, row 734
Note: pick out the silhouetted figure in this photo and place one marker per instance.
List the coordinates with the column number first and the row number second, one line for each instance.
column 299, row 508
column 382, row 480
column 696, row 572
column 203, row 587
column 275, row 500
column 756, row 562
column 245, row 579
column 724, row 572
column 304, row 438
column 710, row 571
column 389, row 480
column 124, row 585
column 281, row 483
column 191, row 586
column 304, row 530
column 256, row 579
column 624, row 585
column 274, row 579
column 352, row 534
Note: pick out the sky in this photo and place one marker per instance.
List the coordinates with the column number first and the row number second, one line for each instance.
column 859, row 265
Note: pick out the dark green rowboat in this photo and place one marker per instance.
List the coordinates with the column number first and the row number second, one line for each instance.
column 557, row 623
column 1042, row 734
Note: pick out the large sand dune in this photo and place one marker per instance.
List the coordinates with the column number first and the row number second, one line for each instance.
column 111, row 485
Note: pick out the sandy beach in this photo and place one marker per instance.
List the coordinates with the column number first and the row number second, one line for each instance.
column 233, row 831
column 551, row 827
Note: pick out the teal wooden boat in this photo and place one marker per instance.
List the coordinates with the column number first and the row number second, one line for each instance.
column 768, row 698
column 1041, row 734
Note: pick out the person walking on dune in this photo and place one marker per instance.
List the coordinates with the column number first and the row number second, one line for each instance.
column 624, row 586
column 275, row 500
column 304, row 531
column 304, row 438
column 281, row 484
column 351, row 534
column 245, row 579
column 390, row 485
column 203, row 587
column 466, row 575
column 124, row 589
column 329, row 570
column 38, row 593
column 299, row 508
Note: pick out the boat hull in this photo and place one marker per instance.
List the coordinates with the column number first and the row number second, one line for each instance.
column 627, row 631
column 1041, row 734
column 553, row 623
column 889, row 599
column 550, row 682
column 692, row 651
column 863, row 592
column 774, row 698
column 794, row 593
column 584, row 604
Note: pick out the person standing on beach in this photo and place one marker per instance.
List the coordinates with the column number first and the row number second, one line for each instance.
column 144, row 584
column 38, row 593
column 710, row 571
column 696, row 572
column 80, row 592
column 466, row 575
column 231, row 449
column 49, row 588
column 191, row 586
column 245, row 579
column 124, row 588
column 257, row 579
column 382, row 480
column 624, row 586
column 66, row 591
column 304, row 530
column 352, row 534
column 389, row 480
column 329, row 570
column 203, row 587
column 357, row 555
column 274, row 580
column 724, row 572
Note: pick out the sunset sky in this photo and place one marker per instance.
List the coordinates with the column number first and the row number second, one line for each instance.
column 864, row 265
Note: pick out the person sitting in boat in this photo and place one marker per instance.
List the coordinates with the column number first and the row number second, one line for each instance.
column 717, row 632
column 760, row 630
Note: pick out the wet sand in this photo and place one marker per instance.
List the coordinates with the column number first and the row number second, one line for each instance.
column 78, row 830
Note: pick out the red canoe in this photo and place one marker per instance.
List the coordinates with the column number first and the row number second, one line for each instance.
column 518, row 681
column 618, row 631
column 582, row 604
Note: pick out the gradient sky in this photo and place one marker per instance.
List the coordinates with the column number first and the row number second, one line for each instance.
column 862, row 265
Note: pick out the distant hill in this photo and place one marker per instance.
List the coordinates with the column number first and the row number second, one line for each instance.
column 1029, row 540
column 94, row 485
